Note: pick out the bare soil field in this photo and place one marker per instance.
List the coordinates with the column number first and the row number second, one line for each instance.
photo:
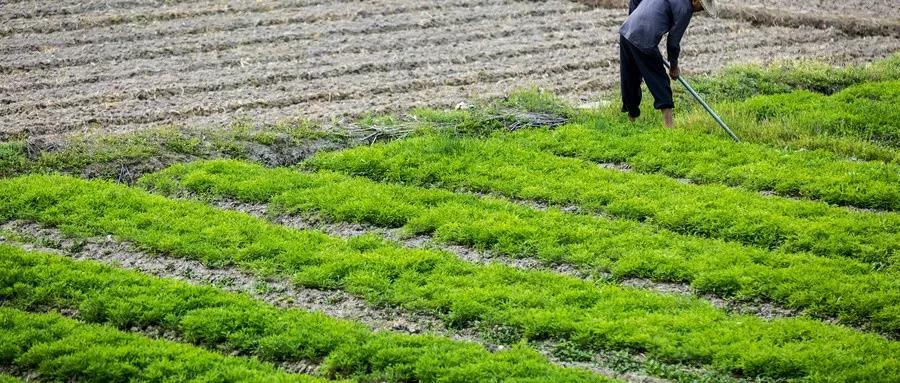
column 124, row 65
column 886, row 10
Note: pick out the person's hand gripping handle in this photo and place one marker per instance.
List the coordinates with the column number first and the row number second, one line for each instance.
column 674, row 72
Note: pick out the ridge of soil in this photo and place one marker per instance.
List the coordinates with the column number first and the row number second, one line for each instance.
column 134, row 65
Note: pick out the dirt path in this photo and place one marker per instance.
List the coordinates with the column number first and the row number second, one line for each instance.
column 123, row 65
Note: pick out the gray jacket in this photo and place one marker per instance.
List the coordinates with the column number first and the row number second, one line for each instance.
column 649, row 20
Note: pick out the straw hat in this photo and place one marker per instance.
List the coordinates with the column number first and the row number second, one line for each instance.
column 710, row 7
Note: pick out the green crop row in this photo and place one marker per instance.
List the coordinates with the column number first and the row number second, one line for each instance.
column 500, row 165
column 868, row 111
column 9, row 379
column 860, row 122
column 63, row 350
column 216, row 320
column 825, row 287
column 740, row 82
column 529, row 305
column 807, row 119
column 709, row 159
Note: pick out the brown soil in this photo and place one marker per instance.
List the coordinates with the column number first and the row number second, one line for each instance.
column 856, row 17
column 852, row 25
column 882, row 11
column 124, row 65
column 606, row 3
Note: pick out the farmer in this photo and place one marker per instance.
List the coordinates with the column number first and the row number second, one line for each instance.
column 647, row 22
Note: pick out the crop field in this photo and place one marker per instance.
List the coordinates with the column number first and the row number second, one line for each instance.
column 518, row 240
column 130, row 65
column 293, row 194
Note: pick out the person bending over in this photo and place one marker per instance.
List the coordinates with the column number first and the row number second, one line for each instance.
column 639, row 37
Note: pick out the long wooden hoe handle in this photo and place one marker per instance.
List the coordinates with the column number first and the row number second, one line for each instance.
column 706, row 106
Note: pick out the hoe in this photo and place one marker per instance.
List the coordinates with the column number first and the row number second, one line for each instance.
column 706, row 106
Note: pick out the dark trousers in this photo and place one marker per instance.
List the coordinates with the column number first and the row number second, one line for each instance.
column 634, row 65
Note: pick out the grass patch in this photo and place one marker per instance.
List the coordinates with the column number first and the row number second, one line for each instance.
column 859, row 122
column 740, row 82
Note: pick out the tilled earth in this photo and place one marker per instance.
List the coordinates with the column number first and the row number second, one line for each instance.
column 118, row 65
column 885, row 10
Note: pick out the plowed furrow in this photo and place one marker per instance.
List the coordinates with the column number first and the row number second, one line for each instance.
column 259, row 108
column 214, row 23
column 874, row 10
column 39, row 9
column 577, row 83
column 303, row 91
column 417, row 56
column 238, row 77
column 778, row 44
column 136, row 15
column 361, row 103
column 853, row 26
column 181, row 45
column 264, row 53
